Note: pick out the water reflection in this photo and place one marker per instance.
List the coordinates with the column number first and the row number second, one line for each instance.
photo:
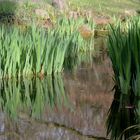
column 123, row 113
column 32, row 95
column 72, row 106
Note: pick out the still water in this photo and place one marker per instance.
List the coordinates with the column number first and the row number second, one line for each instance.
column 67, row 106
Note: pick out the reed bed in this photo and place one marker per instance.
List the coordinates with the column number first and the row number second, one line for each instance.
column 124, row 52
column 37, row 51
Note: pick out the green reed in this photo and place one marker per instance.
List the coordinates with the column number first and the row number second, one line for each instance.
column 124, row 52
column 38, row 51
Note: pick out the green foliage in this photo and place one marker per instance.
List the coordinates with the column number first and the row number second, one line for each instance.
column 37, row 51
column 124, row 46
column 124, row 52
column 7, row 7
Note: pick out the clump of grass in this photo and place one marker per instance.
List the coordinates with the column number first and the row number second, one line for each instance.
column 36, row 51
column 124, row 52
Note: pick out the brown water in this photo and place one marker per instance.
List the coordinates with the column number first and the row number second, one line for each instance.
column 83, row 118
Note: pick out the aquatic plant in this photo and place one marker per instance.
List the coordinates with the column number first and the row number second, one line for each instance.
column 39, row 51
column 32, row 96
column 124, row 52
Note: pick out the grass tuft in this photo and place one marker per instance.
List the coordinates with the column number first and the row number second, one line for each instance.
column 124, row 52
column 38, row 51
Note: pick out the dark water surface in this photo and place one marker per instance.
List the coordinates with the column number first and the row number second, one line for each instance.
column 71, row 106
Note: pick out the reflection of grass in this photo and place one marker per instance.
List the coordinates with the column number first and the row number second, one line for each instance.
column 124, row 51
column 121, row 116
column 32, row 95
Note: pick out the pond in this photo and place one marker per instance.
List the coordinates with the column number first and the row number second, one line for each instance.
column 67, row 106
column 72, row 105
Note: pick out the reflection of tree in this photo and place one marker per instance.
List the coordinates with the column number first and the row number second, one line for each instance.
column 32, row 95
